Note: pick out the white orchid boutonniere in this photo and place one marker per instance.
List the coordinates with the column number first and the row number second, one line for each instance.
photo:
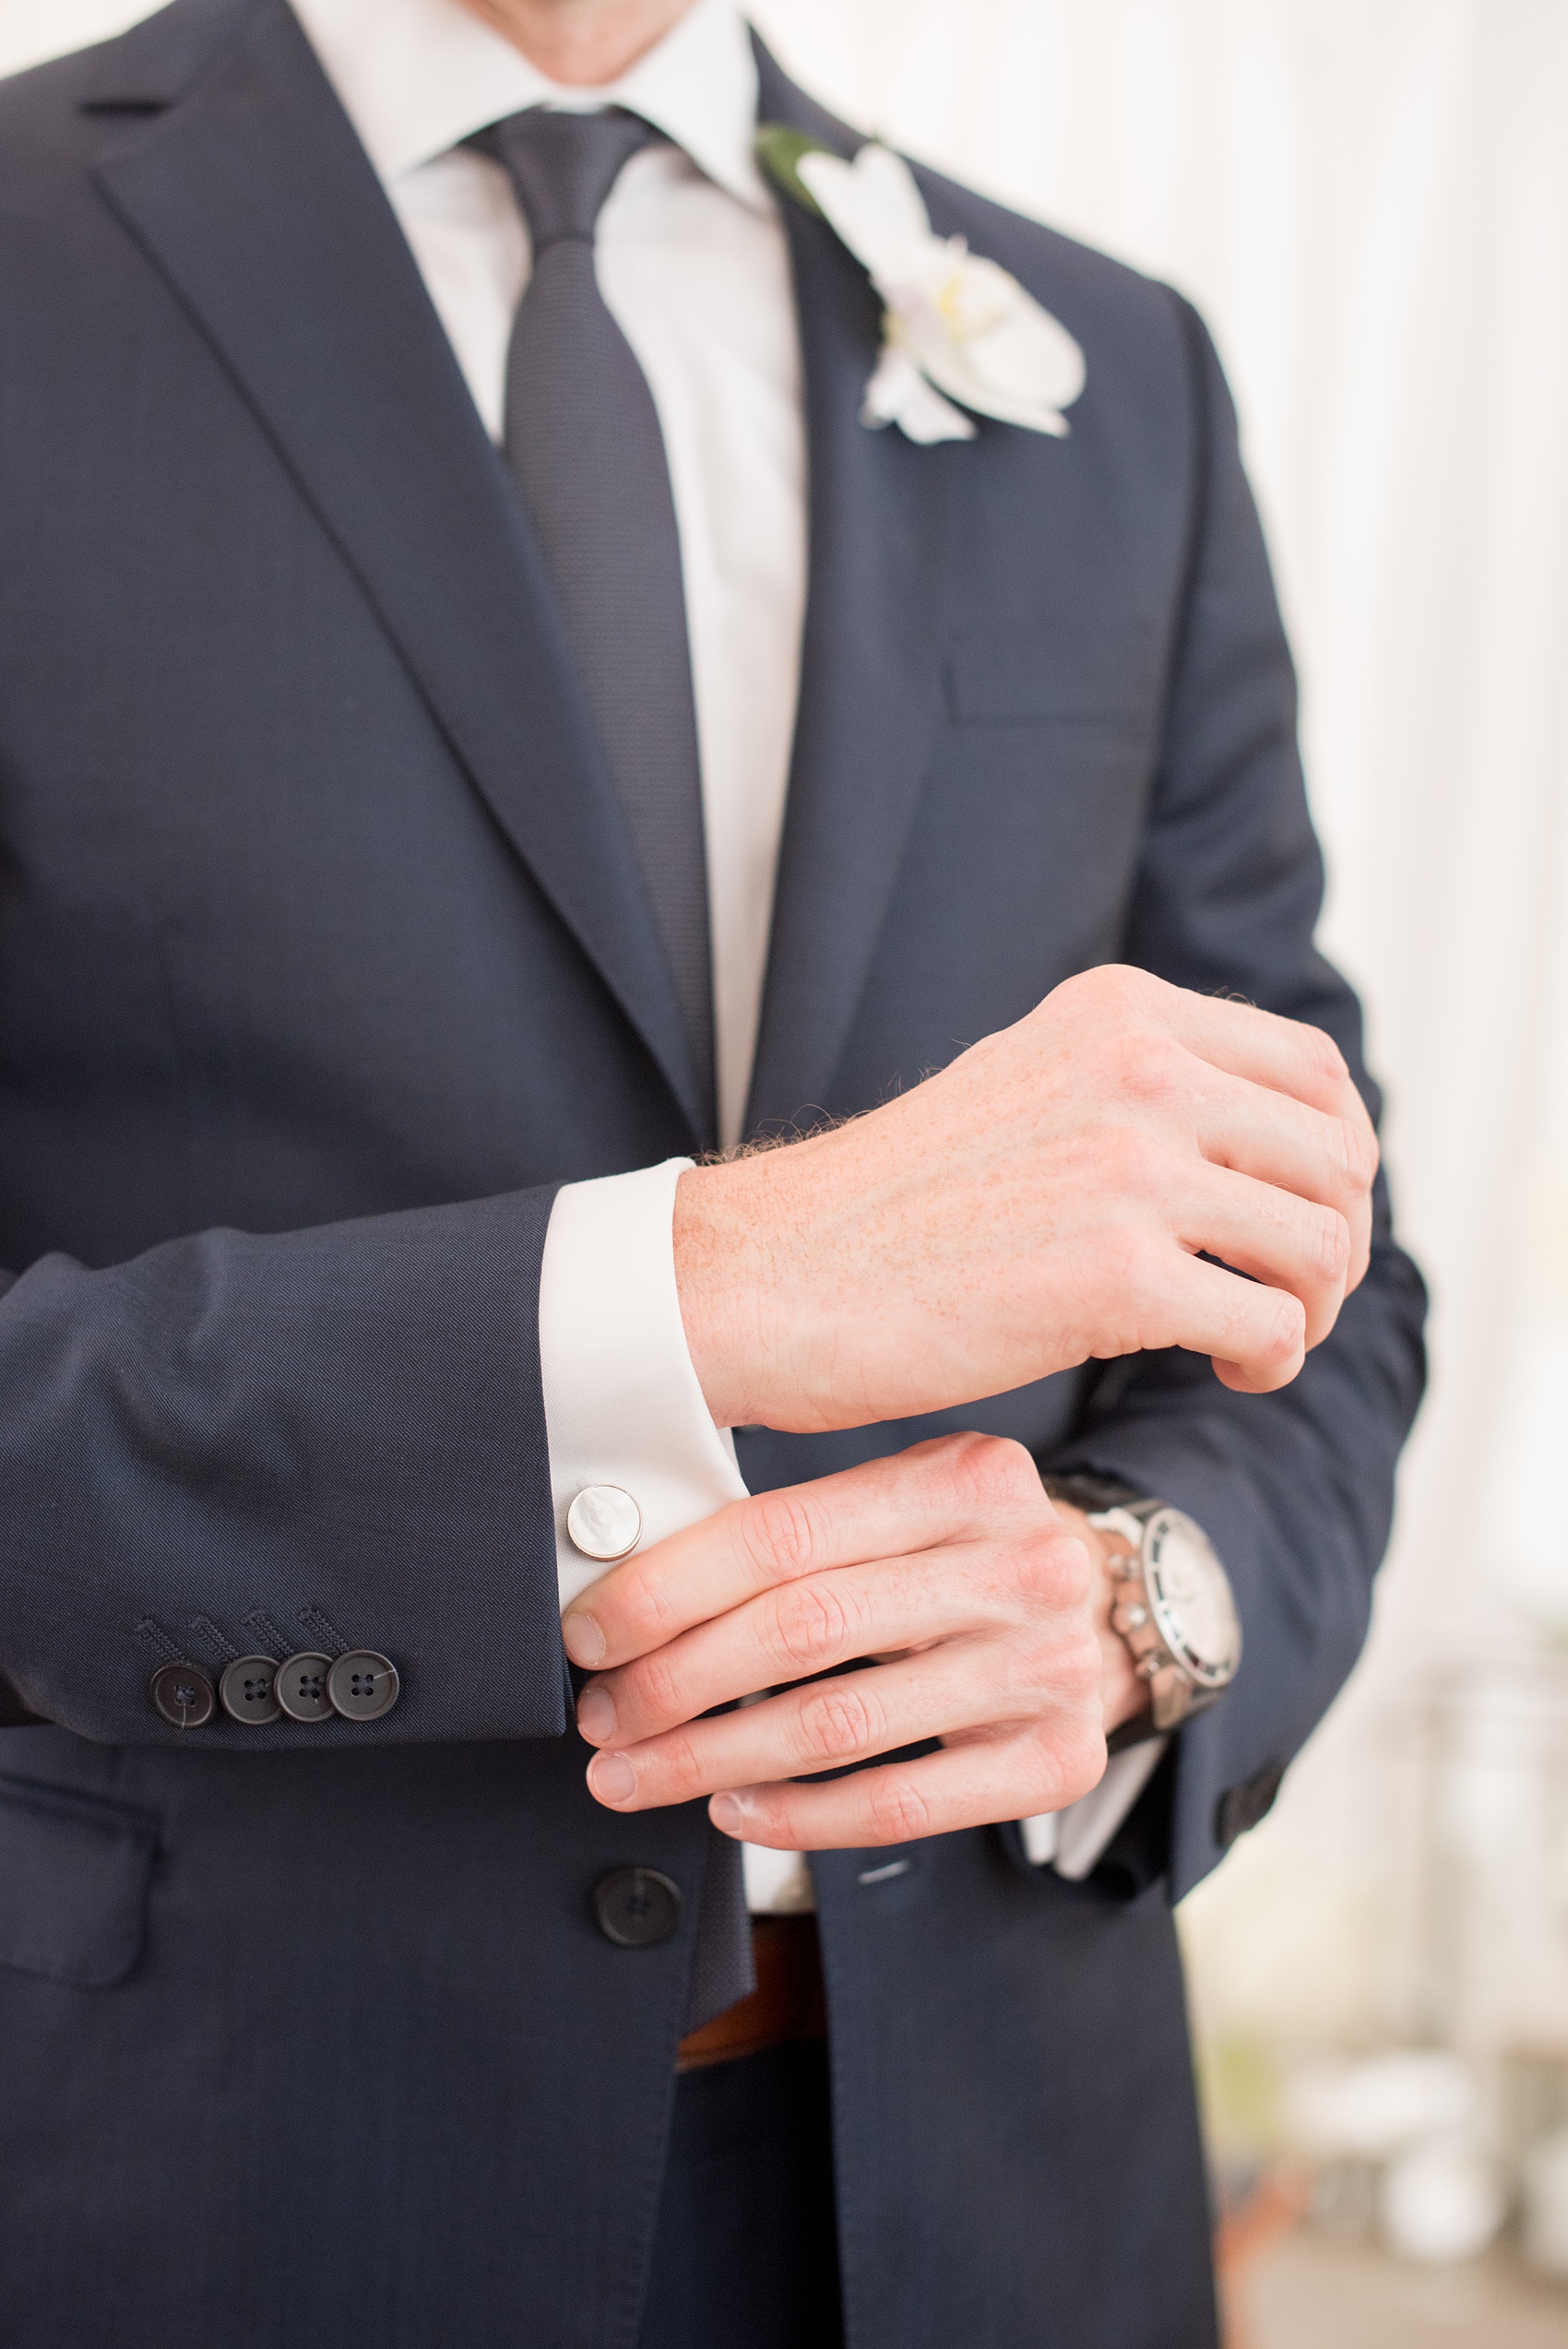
column 955, row 328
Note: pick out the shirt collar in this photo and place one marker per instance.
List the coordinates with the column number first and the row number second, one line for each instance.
column 417, row 77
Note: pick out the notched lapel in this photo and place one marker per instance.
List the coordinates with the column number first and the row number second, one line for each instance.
column 870, row 667
column 254, row 197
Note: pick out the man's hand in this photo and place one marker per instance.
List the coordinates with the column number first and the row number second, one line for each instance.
column 949, row 1566
column 1048, row 1198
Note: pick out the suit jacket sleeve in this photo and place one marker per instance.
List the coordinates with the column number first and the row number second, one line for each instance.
column 1295, row 1488
column 256, row 1443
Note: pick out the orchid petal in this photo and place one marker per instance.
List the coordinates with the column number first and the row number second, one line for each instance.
column 898, row 394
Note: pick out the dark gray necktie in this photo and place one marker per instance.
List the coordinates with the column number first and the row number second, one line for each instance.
column 584, row 446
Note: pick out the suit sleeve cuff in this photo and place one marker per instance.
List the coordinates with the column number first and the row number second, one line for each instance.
column 1075, row 1838
column 621, row 1401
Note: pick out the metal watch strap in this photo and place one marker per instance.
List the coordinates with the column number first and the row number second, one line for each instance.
column 1103, row 1500
column 1085, row 1489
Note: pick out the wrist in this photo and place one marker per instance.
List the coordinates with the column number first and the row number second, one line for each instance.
column 723, row 1280
column 1123, row 1695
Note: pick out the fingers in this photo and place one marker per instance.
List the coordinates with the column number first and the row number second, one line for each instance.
column 1286, row 1055
column 1287, row 1243
column 951, row 1689
column 889, row 1507
column 970, row 1784
column 1027, row 1594
column 1255, row 1335
column 1320, row 1156
column 829, row 1724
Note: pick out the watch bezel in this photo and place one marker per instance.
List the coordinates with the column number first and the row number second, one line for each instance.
column 1164, row 1613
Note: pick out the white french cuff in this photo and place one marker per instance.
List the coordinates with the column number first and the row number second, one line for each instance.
column 1074, row 1839
column 624, row 1407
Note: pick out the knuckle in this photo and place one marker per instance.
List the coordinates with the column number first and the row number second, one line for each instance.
column 655, row 1684
column 1325, row 1062
column 1062, row 1677
column 1331, row 1245
column 1283, row 1331
column 993, row 1473
column 647, row 1609
column 780, row 1533
column 899, row 1813
column 835, row 1720
column 1050, row 1572
column 1150, row 1067
column 1080, row 1757
column 1358, row 1153
column 811, row 1624
column 1082, row 1669
column 1123, row 989
column 679, row 1763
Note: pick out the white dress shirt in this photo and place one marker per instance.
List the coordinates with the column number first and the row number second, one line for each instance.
column 693, row 266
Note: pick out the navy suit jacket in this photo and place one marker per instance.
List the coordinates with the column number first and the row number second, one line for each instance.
column 324, row 958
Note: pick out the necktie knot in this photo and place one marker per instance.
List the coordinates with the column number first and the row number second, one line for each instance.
column 562, row 166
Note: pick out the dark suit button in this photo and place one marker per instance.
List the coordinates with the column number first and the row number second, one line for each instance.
column 302, row 1686
column 249, row 1690
column 362, row 1685
column 636, row 1907
column 1241, row 1808
column 183, row 1693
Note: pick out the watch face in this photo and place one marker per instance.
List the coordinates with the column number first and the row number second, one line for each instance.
column 1193, row 1611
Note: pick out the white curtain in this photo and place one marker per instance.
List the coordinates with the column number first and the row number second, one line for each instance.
column 1369, row 200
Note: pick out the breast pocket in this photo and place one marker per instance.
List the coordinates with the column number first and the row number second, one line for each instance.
column 1068, row 669
column 75, row 1872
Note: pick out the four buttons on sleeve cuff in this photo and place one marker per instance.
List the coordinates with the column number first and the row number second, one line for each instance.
column 256, row 1690
column 603, row 1522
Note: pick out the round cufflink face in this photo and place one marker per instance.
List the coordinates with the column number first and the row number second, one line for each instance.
column 302, row 1686
column 182, row 1694
column 636, row 1907
column 604, row 1523
column 362, row 1686
column 248, row 1690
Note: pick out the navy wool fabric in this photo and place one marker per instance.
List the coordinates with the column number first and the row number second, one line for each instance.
column 324, row 958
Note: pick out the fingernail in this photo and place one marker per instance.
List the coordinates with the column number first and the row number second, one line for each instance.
column 731, row 1815
column 583, row 1639
column 596, row 1715
column 612, row 1778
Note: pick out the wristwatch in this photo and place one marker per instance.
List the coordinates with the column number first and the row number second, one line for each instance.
column 1173, row 1605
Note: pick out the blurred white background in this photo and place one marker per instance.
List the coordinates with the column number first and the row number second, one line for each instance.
column 1369, row 200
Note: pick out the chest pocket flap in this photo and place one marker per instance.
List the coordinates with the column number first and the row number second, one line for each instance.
column 74, row 1875
column 1072, row 668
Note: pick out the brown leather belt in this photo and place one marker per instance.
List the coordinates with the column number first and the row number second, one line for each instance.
column 788, row 2004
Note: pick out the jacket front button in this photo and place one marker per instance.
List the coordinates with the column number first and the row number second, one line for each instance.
column 182, row 1694
column 249, row 1690
column 636, row 1907
column 302, row 1686
column 362, row 1685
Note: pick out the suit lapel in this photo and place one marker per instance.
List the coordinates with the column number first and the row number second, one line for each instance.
column 870, row 680
column 254, row 197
